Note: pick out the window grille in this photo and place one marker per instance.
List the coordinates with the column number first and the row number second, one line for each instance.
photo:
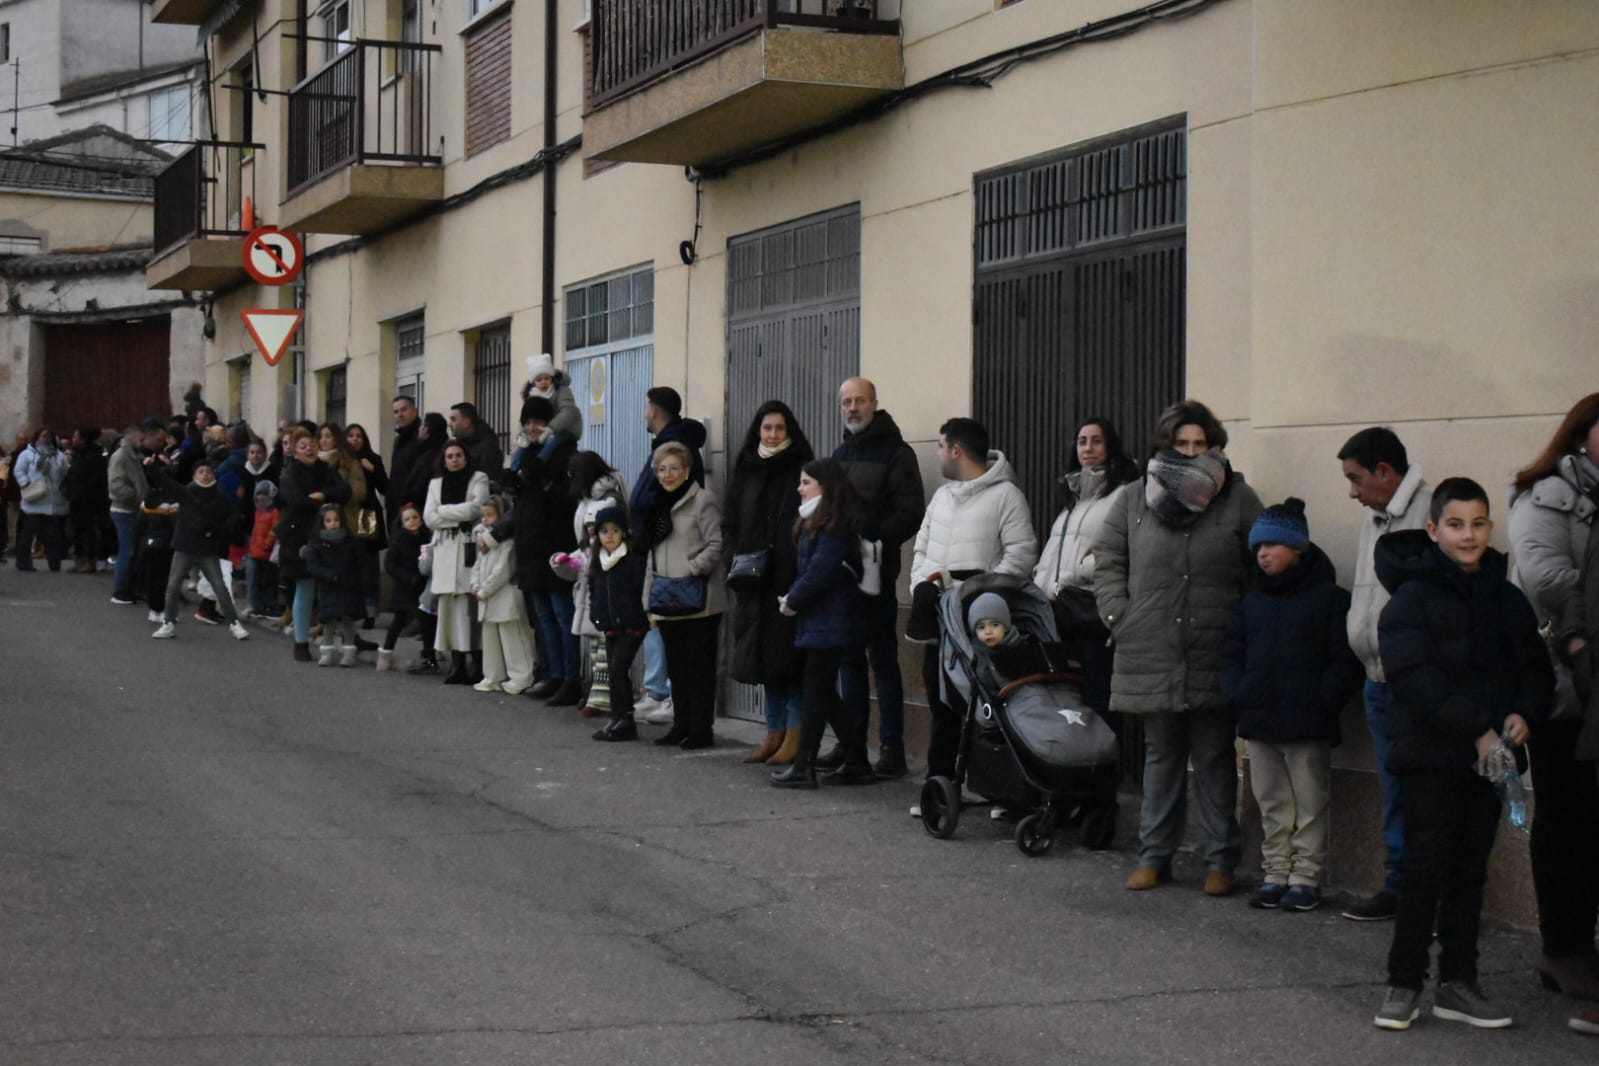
column 410, row 364
column 491, row 374
column 336, row 395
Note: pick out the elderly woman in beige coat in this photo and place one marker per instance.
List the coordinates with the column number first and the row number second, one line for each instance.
column 454, row 505
column 684, row 591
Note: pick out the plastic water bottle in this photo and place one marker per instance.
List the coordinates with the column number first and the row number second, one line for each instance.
column 1501, row 770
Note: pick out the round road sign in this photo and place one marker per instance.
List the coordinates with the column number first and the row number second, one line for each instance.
column 273, row 256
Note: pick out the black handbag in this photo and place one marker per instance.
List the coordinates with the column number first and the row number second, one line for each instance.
column 749, row 571
column 1077, row 613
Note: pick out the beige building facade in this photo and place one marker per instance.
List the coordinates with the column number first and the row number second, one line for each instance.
column 1320, row 216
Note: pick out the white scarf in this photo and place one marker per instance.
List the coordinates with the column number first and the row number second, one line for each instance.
column 766, row 453
column 548, row 394
column 808, row 508
column 610, row 559
column 253, row 469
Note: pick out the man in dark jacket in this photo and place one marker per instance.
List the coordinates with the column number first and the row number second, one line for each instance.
column 663, row 414
column 408, row 479
column 884, row 471
column 1461, row 652
column 206, row 520
column 478, row 437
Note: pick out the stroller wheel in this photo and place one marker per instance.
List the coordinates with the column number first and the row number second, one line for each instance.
column 941, row 807
column 1099, row 827
column 1035, row 834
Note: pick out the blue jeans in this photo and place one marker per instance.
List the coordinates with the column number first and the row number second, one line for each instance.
column 126, row 540
column 1379, row 701
column 785, row 707
column 260, row 578
column 656, row 683
column 304, row 603
column 553, row 616
column 546, row 449
column 882, row 648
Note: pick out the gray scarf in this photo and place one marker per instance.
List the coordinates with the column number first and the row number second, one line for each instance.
column 1179, row 487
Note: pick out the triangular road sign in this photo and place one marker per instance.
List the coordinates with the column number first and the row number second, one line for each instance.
column 272, row 330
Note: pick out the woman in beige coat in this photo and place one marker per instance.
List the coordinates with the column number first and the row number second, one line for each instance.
column 684, row 592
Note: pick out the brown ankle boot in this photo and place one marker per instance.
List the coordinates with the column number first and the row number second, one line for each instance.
column 787, row 750
column 766, row 750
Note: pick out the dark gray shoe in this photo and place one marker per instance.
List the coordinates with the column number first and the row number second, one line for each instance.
column 1463, row 1001
column 1301, row 898
column 1399, row 1008
column 1379, row 908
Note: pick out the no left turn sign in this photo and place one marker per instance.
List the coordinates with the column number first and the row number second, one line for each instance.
column 273, row 256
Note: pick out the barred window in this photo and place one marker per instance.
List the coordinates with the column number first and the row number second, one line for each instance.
column 491, row 375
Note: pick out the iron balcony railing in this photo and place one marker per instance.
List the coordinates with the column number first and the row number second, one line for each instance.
column 202, row 192
column 637, row 41
column 370, row 104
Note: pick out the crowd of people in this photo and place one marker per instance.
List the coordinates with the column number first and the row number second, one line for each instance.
column 1182, row 598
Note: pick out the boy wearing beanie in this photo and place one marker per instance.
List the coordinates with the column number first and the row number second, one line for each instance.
column 1288, row 671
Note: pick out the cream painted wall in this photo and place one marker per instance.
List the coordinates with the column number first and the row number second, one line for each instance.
column 75, row 222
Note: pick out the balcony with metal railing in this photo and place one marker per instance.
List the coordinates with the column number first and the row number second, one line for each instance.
column 201, row 201
column 363, row 152
column 697, row 81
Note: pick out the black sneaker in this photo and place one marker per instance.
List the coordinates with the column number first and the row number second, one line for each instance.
column 832, row 760
column 1301, row 898
column 122, row 599
column 1379, row 908
column 208, row 613
column 1267, row 896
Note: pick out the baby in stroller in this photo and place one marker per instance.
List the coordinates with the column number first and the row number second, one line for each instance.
column 1004, row 653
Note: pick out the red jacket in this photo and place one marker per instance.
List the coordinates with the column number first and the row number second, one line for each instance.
column 262, row 537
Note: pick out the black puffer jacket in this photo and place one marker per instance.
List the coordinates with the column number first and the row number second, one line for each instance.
column 206, row 518
column 1288, row 669
column 762, row 505
column 402, row 563
column 299, row 519
column 884, row 471
column 541, row 524
column 616, row 596
column 336, row 565
column 1460, row 652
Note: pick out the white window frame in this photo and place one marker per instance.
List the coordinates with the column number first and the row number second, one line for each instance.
column 475, row 9
column 165, row 106
column 336, row 41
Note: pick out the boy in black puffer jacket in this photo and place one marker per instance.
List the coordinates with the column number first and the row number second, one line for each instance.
column 1288, row 671
column 403, row 563
column 204, row 529
column 616, row 607
column 1463, row 657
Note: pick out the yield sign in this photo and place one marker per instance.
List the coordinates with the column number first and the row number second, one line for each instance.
column 272, row 330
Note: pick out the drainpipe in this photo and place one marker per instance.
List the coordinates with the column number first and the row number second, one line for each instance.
column 547, row 268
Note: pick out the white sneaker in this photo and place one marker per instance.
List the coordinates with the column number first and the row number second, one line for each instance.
column 238, row 631
column 166, row 632
column 916, row 810
column 487, row 686
column 660, row 715
column 645, row 705
column 154, row 617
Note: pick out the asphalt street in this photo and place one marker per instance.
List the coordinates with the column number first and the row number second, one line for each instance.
column 212, row 854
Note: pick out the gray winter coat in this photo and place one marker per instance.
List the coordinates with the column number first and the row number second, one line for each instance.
column 126, row 482
column 1549, row 530
column 1166, row 594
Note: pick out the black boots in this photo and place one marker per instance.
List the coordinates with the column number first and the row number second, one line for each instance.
column 801, row 773
column 856, row 771
column 891, row 765
column 302, row 653
column 569, row 694
column 620, row 727
column 428, row 664
column 458, row 673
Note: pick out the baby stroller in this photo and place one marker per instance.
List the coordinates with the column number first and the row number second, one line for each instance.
column 1027, row 742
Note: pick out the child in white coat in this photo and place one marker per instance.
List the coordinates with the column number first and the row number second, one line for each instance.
column 507, row 652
